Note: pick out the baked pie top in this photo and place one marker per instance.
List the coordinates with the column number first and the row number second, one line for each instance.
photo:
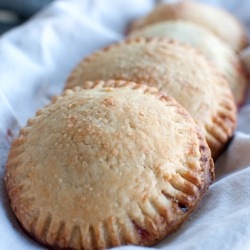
column 107, row 166
column 179, row 70
column 224, row 58
column 218, row 21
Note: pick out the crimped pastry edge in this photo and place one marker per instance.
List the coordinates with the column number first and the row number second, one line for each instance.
column 205, row 159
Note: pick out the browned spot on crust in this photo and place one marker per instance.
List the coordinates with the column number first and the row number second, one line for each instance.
column 109, row 102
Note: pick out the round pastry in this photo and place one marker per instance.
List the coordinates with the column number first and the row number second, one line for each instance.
column 179, row 70
column 218, row 21
column 105, row 167
column 223, row 57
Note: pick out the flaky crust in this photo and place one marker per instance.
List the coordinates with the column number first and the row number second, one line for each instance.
column 177, row 69
column 224, row 58
column 106, row 167
column 214, row 19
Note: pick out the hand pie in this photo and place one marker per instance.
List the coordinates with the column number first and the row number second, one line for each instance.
column 105, row 167
column 223, row 57
column 218, row 21
column 176, row 69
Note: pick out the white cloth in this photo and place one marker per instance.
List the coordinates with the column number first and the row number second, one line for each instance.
column 36, row 59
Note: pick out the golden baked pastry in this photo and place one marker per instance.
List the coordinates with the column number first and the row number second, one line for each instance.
column 224, row 58
column 106, row 167
column 218, row 21
column 179, row 70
